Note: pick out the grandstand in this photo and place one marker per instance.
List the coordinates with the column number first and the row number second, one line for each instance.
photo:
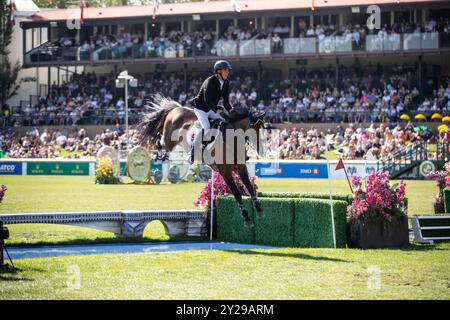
column 313, row 62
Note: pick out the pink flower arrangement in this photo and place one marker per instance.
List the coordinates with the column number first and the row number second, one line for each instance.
column 220, row 188
column 2, row 192
column 378, row 199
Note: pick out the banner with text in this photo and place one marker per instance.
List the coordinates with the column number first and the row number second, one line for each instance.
column 291, row 170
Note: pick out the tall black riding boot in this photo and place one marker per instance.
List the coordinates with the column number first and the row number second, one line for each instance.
column 197, row 140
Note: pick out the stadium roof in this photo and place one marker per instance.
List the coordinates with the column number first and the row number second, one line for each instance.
column 207, row 8
column 25, row 8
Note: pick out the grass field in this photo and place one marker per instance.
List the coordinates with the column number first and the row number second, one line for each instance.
column 413, row 272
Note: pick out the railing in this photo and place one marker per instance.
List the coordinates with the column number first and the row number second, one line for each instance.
column 403, row 158
column 254, row 47
column 105, row 116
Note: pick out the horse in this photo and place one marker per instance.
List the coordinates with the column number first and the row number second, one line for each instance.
column 157, row 129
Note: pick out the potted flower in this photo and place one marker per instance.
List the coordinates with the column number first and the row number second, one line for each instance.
column 220, row 188
column 442, row 179
column 377, row 216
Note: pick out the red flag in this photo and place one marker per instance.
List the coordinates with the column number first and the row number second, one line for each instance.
column 340, row 165
column 82, row 6
column 13, row 13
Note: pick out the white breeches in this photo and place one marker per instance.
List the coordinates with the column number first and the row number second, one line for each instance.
column 203, row 117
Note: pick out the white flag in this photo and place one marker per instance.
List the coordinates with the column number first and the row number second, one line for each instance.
column 236, row 5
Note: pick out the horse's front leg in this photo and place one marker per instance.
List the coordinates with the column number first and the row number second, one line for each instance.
column 227, row 176
column 243, row 174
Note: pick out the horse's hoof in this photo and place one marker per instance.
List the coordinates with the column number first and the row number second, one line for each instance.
column 248, row 223
column 260, row 215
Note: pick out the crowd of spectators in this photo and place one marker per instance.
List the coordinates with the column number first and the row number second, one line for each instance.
column 71, row 143
column 350, row 143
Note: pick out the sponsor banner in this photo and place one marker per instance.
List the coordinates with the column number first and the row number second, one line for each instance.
column 58, row 168
column 291, row 170
column 10, row 168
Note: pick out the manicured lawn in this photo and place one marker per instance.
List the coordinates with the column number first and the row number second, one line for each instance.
column 414, row 272
column 72, row 194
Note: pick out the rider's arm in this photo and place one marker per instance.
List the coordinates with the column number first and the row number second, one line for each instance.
column 209, row 95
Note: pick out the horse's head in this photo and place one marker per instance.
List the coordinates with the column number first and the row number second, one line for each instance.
column 256, row 120
column 243, row 118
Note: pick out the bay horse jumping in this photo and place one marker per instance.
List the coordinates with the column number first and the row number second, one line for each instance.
column 168, row 116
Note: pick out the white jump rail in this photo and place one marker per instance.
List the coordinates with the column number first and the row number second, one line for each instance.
column 123, row 223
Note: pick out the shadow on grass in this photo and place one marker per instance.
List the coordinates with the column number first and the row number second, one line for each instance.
column 13, row 279
column 287, row 255
column 10, row 274
column 107, row 240
column 438, row 246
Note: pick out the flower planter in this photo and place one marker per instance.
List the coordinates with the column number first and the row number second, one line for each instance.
column 208, row 221
column 378, row 233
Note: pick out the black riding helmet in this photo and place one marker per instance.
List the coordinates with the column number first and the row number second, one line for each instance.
column 222, row 64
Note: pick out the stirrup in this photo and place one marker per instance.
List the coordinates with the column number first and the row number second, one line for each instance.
column 204, row 145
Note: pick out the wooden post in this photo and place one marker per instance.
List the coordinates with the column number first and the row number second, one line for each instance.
column 336, row 75
column 49, row 78
column 24, row 41
column 420, row 74
column 145, row 31
column 185, row 67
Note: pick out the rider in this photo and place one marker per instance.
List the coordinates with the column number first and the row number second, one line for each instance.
column 205, row 103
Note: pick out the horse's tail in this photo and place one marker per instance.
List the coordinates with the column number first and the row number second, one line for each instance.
column 150, row 128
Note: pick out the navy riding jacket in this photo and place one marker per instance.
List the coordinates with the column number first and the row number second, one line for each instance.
column 210, row 94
